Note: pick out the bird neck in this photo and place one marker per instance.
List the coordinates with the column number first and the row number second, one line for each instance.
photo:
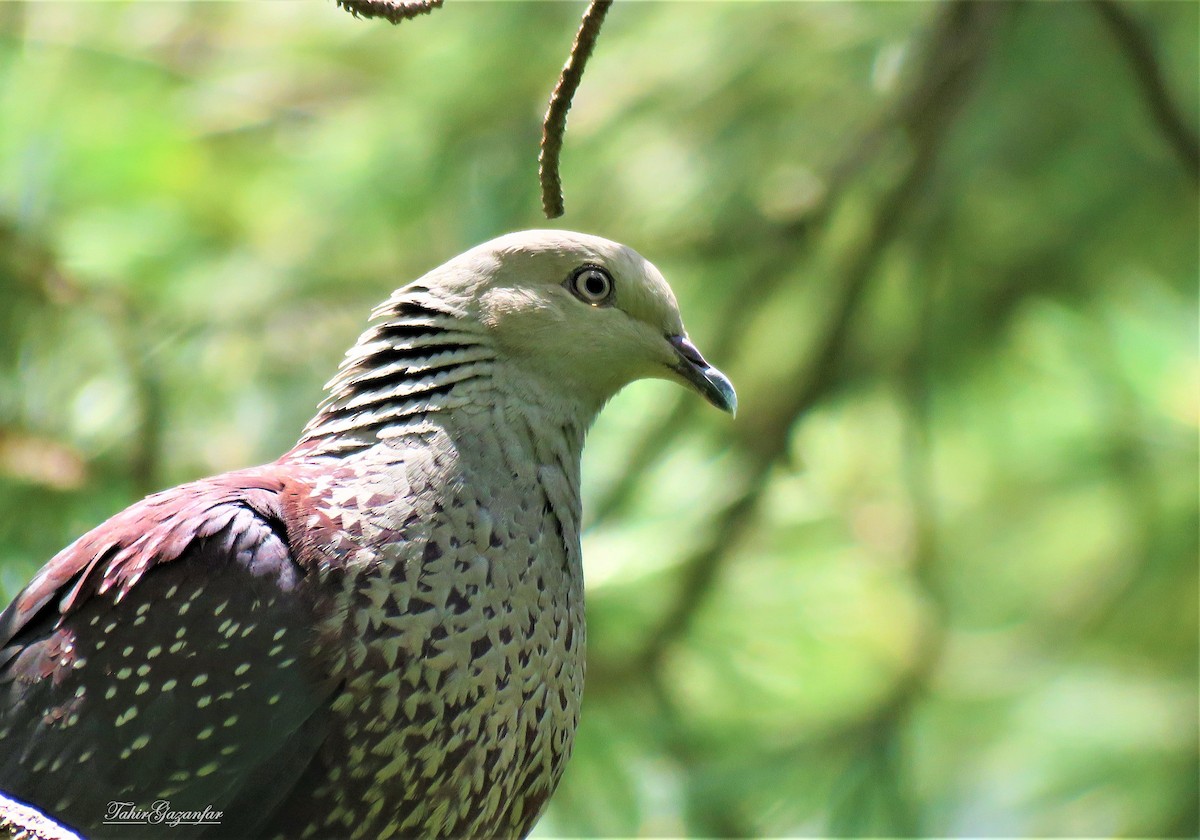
column 427, row 366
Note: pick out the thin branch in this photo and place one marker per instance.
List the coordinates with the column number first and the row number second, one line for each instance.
column 879, row 736
column 711, row 818
column 754, row 291
column 786, row 243
column 392, row 11
column 1139, row 52
column 956, row 52
column 555, row 122
column 145, row 461
column 768, row 443
column 37, row 268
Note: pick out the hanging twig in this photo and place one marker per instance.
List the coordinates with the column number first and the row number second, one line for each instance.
column 555, row 122
column 393, row 11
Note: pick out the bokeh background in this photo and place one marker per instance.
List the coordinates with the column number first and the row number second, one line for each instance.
column 940, row 575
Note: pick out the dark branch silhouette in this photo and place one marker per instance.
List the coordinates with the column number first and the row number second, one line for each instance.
column 555, row 122
column 1149, row 75
column 392, row 11
column 784, row 246
column 953, row 58
column 38, row 268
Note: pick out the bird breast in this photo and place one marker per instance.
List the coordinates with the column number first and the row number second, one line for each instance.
column 458, row 636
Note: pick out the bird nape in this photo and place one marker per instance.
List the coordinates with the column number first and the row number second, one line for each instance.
column 381, row 633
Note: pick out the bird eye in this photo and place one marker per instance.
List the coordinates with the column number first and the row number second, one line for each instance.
column 591, row 284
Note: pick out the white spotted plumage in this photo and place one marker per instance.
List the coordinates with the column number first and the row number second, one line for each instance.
column 382, row 633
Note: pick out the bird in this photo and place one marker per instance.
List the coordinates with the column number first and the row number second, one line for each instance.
column 381, row 633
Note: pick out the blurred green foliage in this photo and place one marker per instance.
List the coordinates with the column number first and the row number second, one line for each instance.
column 939, row 577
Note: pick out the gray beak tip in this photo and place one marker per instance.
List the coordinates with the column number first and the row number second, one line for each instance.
column 729, row 403
column 713, row 385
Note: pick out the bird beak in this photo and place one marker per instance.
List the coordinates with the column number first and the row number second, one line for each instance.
column 713, row 385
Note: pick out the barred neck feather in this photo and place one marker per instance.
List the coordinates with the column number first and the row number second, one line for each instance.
column 422, row 358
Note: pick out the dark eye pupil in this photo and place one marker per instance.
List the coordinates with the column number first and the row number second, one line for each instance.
column 595, row 285
column 591, row 284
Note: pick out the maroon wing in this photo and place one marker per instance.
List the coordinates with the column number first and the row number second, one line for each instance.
column 165, row 655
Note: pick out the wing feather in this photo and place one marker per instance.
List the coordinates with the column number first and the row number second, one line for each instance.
column 167, row 654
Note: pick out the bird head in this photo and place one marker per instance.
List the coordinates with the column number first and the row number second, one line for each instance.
column 580, row 313
column 564, row 320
